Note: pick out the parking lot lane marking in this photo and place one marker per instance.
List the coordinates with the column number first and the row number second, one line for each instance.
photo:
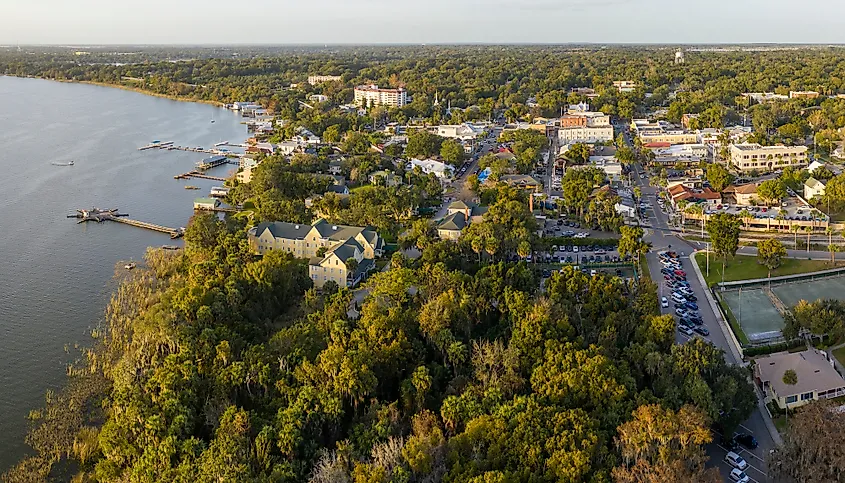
column 745, row 428
column 744, row 450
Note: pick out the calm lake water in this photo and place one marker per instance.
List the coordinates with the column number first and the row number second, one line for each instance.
column 55, row 275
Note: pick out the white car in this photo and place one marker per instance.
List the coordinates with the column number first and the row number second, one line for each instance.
column 678, row 299
column 739, row 476
column 736, row 461
column 664, row 303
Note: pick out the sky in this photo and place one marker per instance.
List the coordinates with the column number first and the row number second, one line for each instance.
column 73, row 22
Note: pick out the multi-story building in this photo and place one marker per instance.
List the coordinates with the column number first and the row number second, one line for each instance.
column 803, row 94
column 375, row 96
column 319, row 79
column 625, row 85
column 585, row 134
column 754, row 157
column 337, row 245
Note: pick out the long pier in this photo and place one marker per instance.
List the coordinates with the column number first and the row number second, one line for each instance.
column 171, row 146
column 197, row 174
column 156, row 145
column 99, row 216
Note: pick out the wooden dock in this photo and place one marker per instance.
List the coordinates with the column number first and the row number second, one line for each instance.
column 156, row 145
column 99, row 216
column 197, row 174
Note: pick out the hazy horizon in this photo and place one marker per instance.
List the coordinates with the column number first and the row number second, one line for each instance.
column 400, row 22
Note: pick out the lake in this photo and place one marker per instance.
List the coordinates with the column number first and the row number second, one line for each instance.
column 56, row 275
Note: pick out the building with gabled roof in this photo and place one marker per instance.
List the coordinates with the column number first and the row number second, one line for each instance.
column 817, row 379
column 813, row 188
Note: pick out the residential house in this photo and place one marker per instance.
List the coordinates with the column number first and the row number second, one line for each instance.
column 681, row 192
column 338, row 189
column 459, row 214
column 813, row 188
column 803, row 94
column 754, row 157
column 626, row 207
column 442, row 170
column 318, row 98
column 816, row 378
column 585, row 91
column 206, row 203
column 743, row 195
column 386, row 178
column 522, row 181
column 340, row 242
column 335, row 167
column 625, row 85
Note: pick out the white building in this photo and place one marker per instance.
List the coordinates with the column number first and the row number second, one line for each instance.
column 319, row 79
column 813, row 188
column 754, row 157
column 442, row 170
column 373, row 95
column 585, row 134
column 318, row 98
column 463, row 132
column 761, row 97
column 625, row 85
column 679, row 57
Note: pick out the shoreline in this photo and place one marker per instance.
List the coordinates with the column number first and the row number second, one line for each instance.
column 125, row 88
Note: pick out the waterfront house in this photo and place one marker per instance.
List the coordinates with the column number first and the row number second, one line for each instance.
column 817, row 379
column 206, row 203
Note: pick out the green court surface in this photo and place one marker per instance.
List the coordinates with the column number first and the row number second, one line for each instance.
column 755, row 313
column 824, row 288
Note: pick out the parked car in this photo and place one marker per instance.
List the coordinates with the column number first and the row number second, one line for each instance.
column 739, row 476
column 729, row 444
column 695, row 319
column 681, row 312
column 680, row 273
column 736, row 460
column 664, row 303
column 692, row 305
column 702, row 330
column 678, row 299
column 684, row 330
column 746, row 440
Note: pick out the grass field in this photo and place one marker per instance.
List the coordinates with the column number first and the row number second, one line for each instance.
column 745, row 267
column 839, row 354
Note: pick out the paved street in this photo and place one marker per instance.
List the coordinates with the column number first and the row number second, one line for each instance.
column 662, row 239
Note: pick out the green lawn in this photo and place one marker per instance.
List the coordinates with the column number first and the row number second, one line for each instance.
column 745, row 267
column 839, row 354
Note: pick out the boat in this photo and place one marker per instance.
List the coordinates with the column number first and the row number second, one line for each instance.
column 69, row 163
column 189, row 187
column 129, row 266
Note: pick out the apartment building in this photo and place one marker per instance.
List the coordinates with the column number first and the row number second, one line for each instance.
column 625, row 85
column 376, row 96
column 341, row 243
column 754, row 157
column 585, row 134
column 319, row 79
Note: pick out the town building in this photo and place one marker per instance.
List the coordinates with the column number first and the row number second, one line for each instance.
column 522, row 181
column 763, row 97
column 319, row 79
column 585, row 134
column 679, row 57
column 341, row 243
column 318, row 98
column 373, row 95
column 461, row 132
column 625, row 85
column 681, row 192
column 587, row 92
column 803, row 94
column 686, row 119
column 813, row 188
column 816, row 378
column 743, row 195
column 754, row 157
column 661, row 133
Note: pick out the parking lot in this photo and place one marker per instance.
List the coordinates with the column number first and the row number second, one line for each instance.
column 756, row 459
column 793, row 210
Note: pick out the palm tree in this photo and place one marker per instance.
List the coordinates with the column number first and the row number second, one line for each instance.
column 746, row 216
column 809, row 231
column 794, row 229
column 781, row 217
column 829, row 232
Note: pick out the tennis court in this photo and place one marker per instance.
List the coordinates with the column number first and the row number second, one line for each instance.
column 756, row 314
column 823, row 288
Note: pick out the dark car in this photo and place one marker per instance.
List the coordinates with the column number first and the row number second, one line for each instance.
column 607, row 258
column 692, row 305
column 555, row 259
column 691, row 297
column 680, row 306
column 701, row 330
column 695, row 319
column 729, row 444
column 685, row 321
column 746, row 440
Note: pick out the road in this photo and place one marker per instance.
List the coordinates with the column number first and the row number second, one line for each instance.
column 662, row 239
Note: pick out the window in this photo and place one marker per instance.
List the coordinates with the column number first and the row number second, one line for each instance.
column 806, row 396
column 791, row 399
